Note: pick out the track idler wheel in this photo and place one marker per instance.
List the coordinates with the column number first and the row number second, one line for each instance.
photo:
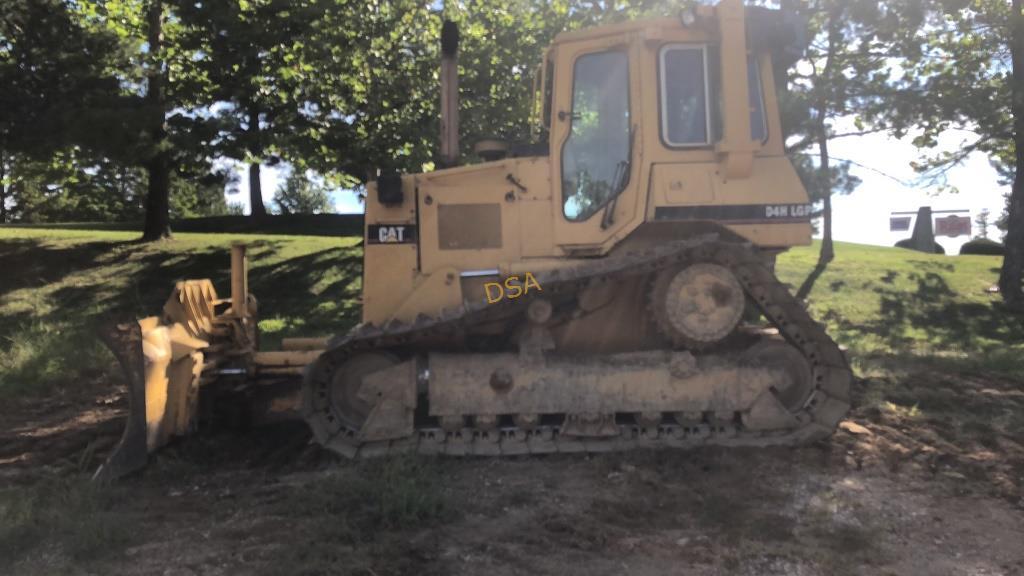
column 698, row 305
column 779, row 355
column 331, row 399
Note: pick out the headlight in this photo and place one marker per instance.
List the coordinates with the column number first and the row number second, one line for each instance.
column 688, row 17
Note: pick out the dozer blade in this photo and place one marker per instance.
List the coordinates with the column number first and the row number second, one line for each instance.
column 162, row 365
column 198, row 343
column 125, row 341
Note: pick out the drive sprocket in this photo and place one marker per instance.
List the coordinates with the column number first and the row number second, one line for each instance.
column 697, row 305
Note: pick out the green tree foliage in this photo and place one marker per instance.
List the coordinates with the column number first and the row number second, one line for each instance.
column 844, row 72
column 71, row 187
column 247, row 81
column 298, row 194
column 198, row 195
column 1002, row 222
column 981, row 221
column 957, row 76
column 500, row 49
column 372, row 99
column 965, row 70
column 343, row 88
column 78, row 118
column 371, row 95
column 350, row 88
column 65, row 121
column 60, row 83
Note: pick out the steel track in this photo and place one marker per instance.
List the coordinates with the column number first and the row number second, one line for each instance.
column 817, row 418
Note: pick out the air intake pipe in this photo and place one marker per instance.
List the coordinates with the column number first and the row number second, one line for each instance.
column 449, row 94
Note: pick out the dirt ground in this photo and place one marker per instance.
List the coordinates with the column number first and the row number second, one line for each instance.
column 902, row 489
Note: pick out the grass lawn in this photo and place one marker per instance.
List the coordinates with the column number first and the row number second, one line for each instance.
column 59, row 285
column 902, row 307
column 939, row 397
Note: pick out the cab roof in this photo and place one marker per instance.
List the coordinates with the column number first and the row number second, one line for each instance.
column 705, row 13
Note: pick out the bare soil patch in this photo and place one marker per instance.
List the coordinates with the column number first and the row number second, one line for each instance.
column 924, row 478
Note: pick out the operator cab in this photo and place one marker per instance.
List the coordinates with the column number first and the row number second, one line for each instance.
column 648, row 131
column 650, row 121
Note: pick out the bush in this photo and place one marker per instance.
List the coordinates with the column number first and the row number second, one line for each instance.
column 982, row 246
column 909, row 246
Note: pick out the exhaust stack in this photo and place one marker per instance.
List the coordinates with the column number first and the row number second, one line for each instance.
column 449, row 94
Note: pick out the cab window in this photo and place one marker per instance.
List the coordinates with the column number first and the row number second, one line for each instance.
column 595, row 156
column 684, row 96
column 690, row 94
column 758, row 125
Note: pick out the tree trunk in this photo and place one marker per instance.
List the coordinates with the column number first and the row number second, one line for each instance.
column 821, row 133
column 255, row 188
column 256, row 191
column 158, row 224
column 1013, row 259
column 158, row 189
column 3, row 187
column 827, row 253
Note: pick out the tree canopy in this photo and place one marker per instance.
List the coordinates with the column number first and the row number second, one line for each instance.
column 114, row 108
column 963, row 69
column 299, row 194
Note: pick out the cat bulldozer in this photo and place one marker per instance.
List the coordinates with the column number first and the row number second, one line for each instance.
column 609, row 286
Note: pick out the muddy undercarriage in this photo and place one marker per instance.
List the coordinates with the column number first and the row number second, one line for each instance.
column 433, row 386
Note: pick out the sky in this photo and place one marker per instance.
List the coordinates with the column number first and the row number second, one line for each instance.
column 345, row 201
column 862, row 216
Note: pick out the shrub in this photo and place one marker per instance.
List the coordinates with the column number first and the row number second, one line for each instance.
column 982, row 246
column 938, row 249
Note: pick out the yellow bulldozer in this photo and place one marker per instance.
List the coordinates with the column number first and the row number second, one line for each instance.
column 608, row 287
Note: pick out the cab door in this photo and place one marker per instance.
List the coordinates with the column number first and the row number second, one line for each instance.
column 595, row 136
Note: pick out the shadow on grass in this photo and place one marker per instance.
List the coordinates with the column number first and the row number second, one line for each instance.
column 937, row 314
column 26, row 263
column 47, row 332
column 312, row 295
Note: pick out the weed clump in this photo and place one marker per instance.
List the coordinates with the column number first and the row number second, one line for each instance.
column 71, row 517
column 40, row 354
column 355, row 506
column 380, row 494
